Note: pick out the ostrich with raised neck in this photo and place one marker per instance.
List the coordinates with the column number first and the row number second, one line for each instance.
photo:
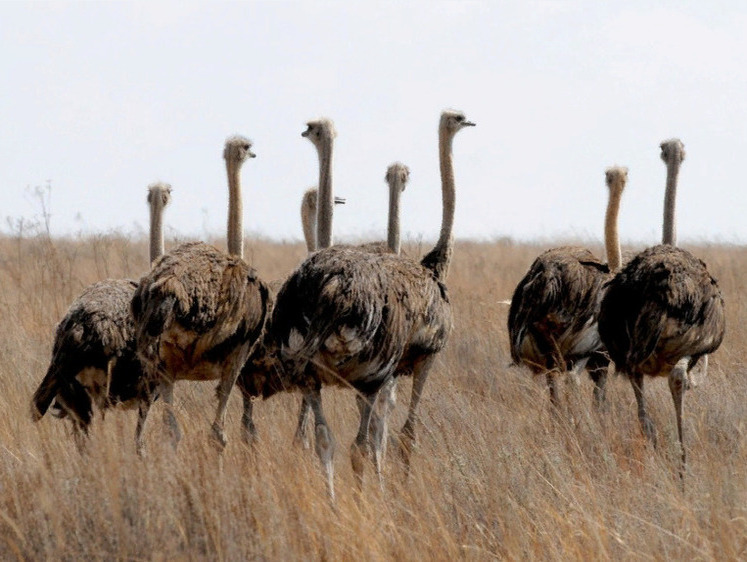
column 322, row 134
column 159, row 195
column 358, row 319
column 309, row 216
column 94, row 362
column 200, row 311
column 552, row 322
column 663, row 313
column 673, row 154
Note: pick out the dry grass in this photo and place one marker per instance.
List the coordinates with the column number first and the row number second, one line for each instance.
column 495, row 475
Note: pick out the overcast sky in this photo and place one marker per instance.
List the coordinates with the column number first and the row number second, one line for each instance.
column 102, row 99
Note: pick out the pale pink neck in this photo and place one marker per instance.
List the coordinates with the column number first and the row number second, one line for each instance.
column 395, row 190
column 611, row 236
column 235, row 232
column 669, row 232
column 156, row 227
column 325, row 196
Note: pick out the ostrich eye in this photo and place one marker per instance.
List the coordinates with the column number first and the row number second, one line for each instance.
column 460, row 118
column 246, row 147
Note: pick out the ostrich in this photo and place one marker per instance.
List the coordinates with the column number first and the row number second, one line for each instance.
column 199, row 311
column 353, row 318
column 259, row 358
column 397, row 176
column 663, row 312
column 552, row 322
column 308, row 216
column 93, row 358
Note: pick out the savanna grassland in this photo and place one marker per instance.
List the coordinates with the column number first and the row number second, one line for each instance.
column 496, row 474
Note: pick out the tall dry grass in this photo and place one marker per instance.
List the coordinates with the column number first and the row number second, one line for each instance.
column 495, row 473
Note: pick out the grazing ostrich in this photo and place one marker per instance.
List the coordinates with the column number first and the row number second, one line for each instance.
column 552, row 322
column 353, row 318
column 199, row 311
column 94, row 359
column 259, row 358
column 663, row 312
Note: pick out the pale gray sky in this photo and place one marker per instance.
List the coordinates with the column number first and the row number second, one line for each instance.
column 105, row 98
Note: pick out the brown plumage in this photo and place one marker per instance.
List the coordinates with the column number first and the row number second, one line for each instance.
column 659, row 316
column 552, row 321
column 662, row 313
column 355, row 318
column 199, row 311
column 93, row 359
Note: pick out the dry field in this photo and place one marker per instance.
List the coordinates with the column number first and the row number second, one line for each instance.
column 495, row 475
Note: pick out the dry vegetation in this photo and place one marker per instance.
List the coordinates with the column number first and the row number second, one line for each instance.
column 495, row 475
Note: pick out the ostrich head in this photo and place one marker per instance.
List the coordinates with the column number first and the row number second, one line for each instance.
column 160, row 191
column 672, row 151
column 320, row 131
column 616, row 177
column 308, row 203
column 263, row 373
column 397, row 173
column 453, row 121
column 238, row 149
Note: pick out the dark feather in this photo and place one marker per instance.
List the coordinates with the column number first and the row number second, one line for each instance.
column 551, row 321
column 662, row 306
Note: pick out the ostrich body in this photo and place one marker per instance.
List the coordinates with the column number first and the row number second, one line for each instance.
column 94, row 361
column 353, row 318
column 663, row 312
column 552, row 321
column 199, row 311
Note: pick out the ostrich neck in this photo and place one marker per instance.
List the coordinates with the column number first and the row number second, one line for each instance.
column 611, row 238
column 669, row 234
column 156, row 228
column 235, row 234
column 308, row 216
column 395, row 190
column 439, row 258
column 325, row 198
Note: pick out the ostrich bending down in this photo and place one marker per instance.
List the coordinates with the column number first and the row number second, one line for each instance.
column 94, row 359
column 663, row 312
column 353, row 318
column 199, row 311
column 259, row 359
column 552, row 322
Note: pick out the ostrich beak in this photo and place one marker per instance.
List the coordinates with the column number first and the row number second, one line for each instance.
column 251, row 154
column 468, row 124
column 306, row 132
column 339, row 200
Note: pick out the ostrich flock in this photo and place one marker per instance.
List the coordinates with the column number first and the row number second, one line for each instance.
column 362, row 316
